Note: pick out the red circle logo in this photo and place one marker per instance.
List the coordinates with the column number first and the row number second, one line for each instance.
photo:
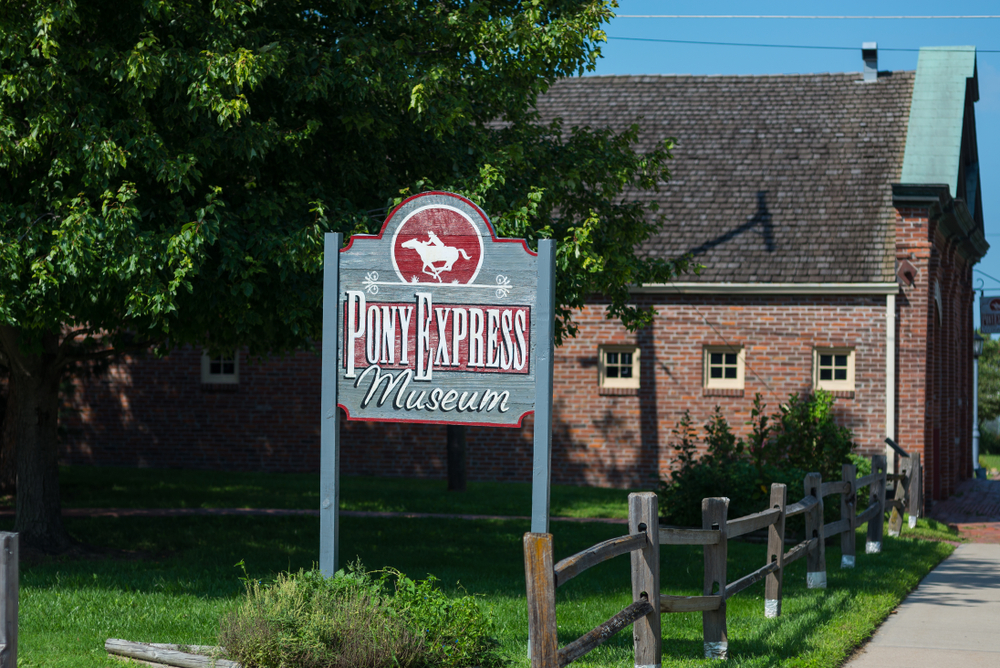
column 437, row 244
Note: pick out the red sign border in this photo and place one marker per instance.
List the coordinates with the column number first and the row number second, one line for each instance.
column 493, row 235
column 493, row 239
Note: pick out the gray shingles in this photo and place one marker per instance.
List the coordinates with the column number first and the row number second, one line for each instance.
column 775, row 178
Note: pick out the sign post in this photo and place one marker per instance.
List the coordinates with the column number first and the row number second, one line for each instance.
column 436, row 320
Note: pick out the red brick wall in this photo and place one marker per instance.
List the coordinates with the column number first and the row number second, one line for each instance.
column 934, row 399
column 156, row 412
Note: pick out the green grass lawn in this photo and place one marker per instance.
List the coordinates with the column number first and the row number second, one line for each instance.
column 175, row 577
column 989, row 462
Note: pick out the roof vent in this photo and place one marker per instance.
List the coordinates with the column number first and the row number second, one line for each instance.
column 869, row 54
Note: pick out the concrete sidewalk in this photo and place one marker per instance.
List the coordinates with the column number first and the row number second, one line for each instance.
column 949, row 620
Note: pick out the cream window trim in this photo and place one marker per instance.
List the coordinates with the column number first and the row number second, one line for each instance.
column 833, row 369
column 618, row 366
column 220, row 370
column 722, row 360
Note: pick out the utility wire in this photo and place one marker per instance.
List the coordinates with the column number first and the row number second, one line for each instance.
column 773, row 16
column 780, row 46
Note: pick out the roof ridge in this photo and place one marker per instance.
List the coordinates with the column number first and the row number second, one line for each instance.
column 730, row 76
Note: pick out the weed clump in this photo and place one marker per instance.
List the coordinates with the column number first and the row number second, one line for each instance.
column 356, row 620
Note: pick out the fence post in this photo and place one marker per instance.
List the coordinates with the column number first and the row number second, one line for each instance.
column 9, row 590
column 914, row 504
column 874, row 544
column 713, row 516
column 775, row 552
column 816, row 557
column 895, row 527
column 848, row 511
column 643, row 517
column 543, row 643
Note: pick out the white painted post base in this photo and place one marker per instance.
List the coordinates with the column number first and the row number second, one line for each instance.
column 913, row 522
column 716, row 650
column 847, row 561
column 873, row 547
column 772, row 608
column 816, row 580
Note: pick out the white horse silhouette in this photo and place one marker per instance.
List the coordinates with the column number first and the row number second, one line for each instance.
column 434, row 251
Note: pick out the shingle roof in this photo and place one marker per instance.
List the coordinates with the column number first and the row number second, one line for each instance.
column 780, row 179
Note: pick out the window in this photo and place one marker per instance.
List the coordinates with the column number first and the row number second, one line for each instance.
column 723, row 367
column 619, row 367
column 833, row 369
column 220, row 370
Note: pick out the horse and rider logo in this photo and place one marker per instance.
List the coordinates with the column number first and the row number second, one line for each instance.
column 437, row 244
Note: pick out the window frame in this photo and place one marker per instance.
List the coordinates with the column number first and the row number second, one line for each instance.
column 847, row 385
column 604, row 382
column 710, row 383
column 209, row 378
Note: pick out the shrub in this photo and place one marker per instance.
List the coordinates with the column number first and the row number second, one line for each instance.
column 989, row 442
column 354, row 620
column 781, row 448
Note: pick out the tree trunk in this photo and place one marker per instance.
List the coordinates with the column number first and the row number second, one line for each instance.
column 456, row 458
column 8, row 446
column 34, row 396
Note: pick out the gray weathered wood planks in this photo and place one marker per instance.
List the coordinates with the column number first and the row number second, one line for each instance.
column 744, row 525
column 570, row 567
column 848, row 504
column 714, row 633
column 161, row 655
column 775, row 552
column 802, row 506
column 585, row 643
column 874, row 544
column 644, row 519
column 671, row 536
column 541, row 590
column 689, row 603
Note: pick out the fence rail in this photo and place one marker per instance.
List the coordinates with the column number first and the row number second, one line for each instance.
column 645, row 537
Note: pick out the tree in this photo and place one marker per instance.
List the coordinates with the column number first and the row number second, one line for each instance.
column 989, row 380
column 168, row 169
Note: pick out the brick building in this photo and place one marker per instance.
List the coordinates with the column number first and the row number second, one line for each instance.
column 838, row 218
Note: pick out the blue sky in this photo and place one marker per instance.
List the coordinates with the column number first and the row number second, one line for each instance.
column 623, row 56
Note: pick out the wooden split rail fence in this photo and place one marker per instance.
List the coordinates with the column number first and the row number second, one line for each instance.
column 643, row 545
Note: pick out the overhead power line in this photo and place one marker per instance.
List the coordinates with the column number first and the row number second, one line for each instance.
column 774, row 46
column 773, row 16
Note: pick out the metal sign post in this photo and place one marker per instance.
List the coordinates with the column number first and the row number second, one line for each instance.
column 541, row 473
column 329, row 435
column 436, row 320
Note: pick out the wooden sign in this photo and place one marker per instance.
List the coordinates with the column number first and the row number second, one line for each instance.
column 989, row 315
column 436, row 319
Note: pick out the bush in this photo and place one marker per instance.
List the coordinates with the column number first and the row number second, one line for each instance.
column 989, row 442
column 354, row 620
column 781, row 448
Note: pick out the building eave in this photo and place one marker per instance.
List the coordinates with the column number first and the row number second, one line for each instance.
column 767, row 288
column 955, row 220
